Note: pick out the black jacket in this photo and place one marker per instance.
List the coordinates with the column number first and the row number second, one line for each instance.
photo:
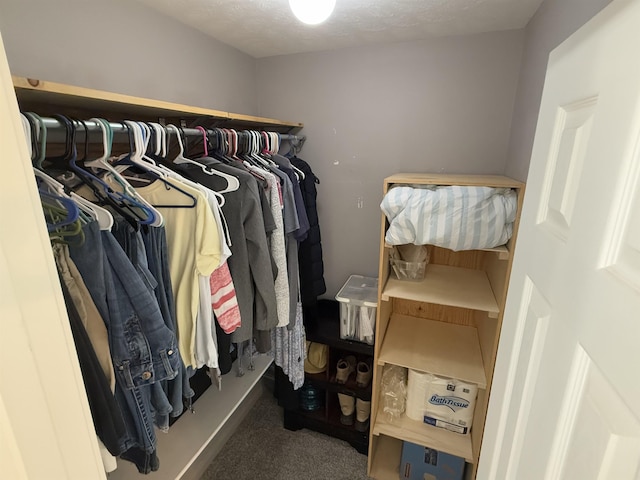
column 311, row 267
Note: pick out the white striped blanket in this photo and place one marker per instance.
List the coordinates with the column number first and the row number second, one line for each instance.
column 453, row 217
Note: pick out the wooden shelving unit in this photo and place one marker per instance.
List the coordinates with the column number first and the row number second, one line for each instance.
column 447, row 324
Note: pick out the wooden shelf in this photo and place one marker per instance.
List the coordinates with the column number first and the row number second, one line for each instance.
column 446, row 285
column 435, row 347
column 192, row 433
column 386, row 460
column 57, row 94
column 496, row 181
column 422, row 434
column 502, row 251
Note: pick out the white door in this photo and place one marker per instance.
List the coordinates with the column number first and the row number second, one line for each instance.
column 565, row 402
column 46, row 431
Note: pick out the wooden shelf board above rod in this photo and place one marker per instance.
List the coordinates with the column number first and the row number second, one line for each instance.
column 58, row 94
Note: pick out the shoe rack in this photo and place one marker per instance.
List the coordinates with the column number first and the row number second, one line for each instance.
column 323, row 326
column 447, row 324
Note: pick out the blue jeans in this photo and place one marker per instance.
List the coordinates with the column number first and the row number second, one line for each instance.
column 147, row 252
column 155, row 242
column 144, row 351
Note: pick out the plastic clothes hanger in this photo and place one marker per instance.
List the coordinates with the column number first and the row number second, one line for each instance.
column 205, row 141
column 139, row 138
column 128, row 207
column 59, row 219
column 39, row 140
column 128, row 188
column 101, row 163
column 62, row 205
column 102, row 216
column 263, row 150
column 138, row 146
column 161, row 142
column 222, row 143
column 232, row 182
column 28, row 134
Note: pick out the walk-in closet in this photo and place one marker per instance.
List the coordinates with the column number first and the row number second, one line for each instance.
column 319, row 239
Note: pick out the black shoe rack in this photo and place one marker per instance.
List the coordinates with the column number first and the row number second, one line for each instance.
column 322, row 324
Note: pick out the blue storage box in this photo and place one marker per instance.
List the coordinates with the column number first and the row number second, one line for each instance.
column 424, row 463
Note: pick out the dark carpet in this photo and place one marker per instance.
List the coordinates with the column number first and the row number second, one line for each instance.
column 261, row 449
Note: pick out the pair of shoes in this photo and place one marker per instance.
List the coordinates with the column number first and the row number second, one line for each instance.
column 346, row 366
column 350, row 405
column 363, row 412
column 363, row 374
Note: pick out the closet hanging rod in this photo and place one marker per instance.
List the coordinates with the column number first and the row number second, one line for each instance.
column 56, row 130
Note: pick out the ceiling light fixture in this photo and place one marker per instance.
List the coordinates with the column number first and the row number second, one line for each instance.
column 312, row 12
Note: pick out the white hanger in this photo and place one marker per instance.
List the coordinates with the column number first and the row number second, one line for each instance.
column 232, row 182
column 26, row 126
column 103, row 164
column 101, row 215
column 141, row 144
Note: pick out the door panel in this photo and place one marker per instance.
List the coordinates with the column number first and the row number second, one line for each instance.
column 46, row 430
column 565, row 402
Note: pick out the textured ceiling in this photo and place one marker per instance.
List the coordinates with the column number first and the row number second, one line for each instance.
column 264, row 28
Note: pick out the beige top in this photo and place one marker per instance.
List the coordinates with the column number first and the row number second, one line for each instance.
column 194, row 249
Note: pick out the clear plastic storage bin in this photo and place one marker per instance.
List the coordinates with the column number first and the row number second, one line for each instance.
column 409, row 262
column 358, row 303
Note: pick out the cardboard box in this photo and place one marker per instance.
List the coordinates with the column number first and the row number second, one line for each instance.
column 424, row 463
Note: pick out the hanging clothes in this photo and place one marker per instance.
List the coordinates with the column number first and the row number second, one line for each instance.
column 194, row 249
column 143, row 350
column 277, row 246
column 107, row 417
column 312, row 283
column 155, row 283
column 250, row 260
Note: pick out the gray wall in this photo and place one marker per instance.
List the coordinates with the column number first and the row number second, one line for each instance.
column 554, row 22
column 125, row 47
column 442, row 105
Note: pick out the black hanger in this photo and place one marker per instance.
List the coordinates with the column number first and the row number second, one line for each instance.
column 102, row 191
